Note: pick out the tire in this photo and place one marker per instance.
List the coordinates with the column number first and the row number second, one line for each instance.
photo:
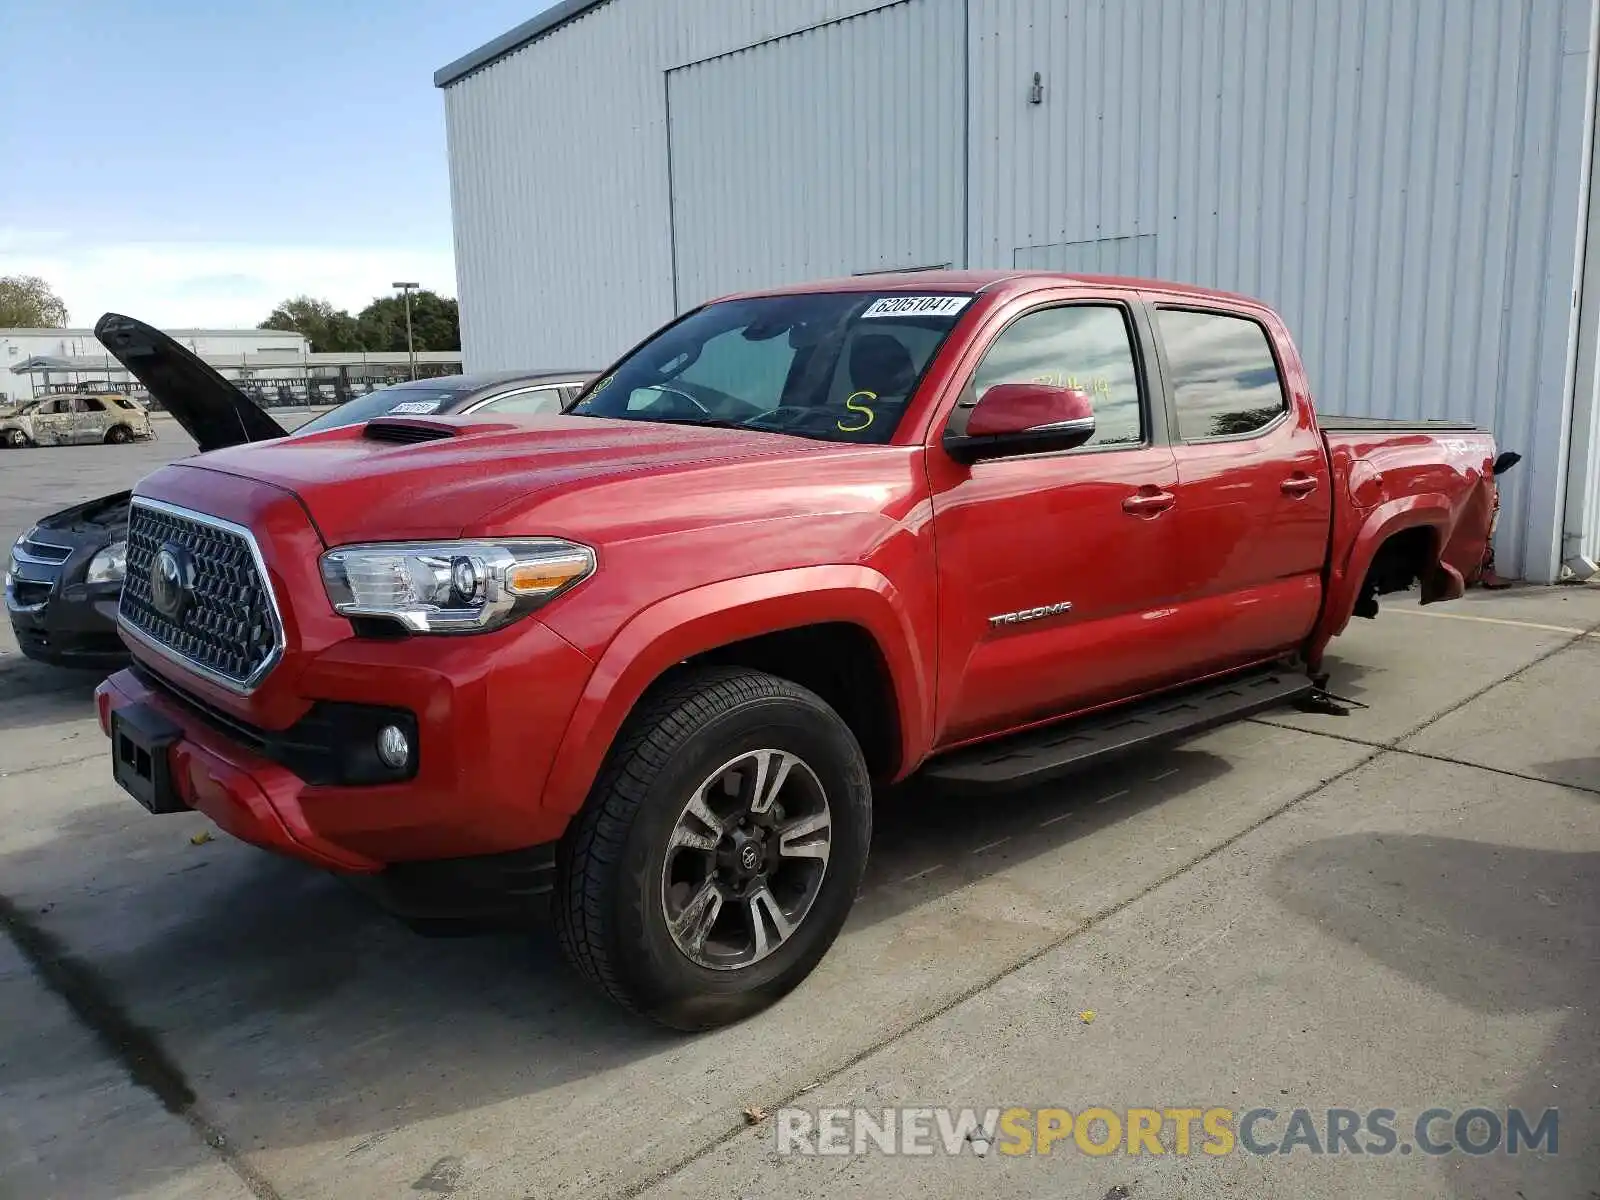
column 119, row 435
column 16, row 439
column 615, row 866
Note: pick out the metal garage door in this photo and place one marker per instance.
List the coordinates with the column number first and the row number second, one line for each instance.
column 832, row 151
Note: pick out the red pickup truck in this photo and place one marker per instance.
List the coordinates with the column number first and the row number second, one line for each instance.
column 643, row 662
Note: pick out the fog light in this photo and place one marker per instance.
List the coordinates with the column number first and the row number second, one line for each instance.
column 393, row 748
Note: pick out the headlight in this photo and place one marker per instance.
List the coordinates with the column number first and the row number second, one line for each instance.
column 452, row 587
column 110, row 565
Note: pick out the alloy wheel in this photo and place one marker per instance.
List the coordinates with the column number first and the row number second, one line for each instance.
column 746, row 859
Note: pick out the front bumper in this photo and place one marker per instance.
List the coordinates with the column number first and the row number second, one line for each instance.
column 72, row 625
column 490, row 712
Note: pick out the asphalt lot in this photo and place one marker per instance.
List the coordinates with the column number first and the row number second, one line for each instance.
column 1399, row 908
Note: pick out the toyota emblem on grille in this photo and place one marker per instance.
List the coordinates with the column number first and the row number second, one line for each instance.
column 172, row 581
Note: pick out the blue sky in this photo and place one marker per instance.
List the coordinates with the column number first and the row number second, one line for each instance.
column 194, row 163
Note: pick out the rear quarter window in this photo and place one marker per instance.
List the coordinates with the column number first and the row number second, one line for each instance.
column 1222, row 372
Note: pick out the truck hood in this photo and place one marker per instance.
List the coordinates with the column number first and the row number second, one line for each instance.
column 211, row 410
column 483, row 476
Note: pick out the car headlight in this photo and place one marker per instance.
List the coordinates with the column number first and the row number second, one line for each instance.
column 452, row 587
column 110, row 565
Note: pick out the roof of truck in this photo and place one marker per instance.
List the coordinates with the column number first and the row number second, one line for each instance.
column 916, row 282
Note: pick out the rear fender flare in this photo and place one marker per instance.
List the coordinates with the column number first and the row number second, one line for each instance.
column 706, row 618
column 1427, row 511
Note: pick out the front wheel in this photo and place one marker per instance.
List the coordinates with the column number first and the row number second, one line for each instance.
column 119, row 435
column 720, row 852
column 16, row 439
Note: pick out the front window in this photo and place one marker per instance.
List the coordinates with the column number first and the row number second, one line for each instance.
column 838, row 366
column 540, row 401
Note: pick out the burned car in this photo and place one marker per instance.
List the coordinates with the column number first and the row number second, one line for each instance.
column 76, row 419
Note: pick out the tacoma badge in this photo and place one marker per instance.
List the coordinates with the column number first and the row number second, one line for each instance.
column 1031, row 614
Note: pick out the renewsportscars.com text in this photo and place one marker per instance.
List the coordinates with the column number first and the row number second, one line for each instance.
column 1178, row 1130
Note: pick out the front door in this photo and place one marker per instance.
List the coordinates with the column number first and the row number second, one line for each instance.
column 1055, row 568
column 1253, row 470
column 89, row 422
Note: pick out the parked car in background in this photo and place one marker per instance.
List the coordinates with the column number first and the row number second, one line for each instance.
column 65, row 574
column 76, row 419
column 643, row 662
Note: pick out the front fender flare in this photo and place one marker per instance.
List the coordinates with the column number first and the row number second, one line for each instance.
column 718, row 614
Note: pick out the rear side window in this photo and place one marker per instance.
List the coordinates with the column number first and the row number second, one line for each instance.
column 1082, row 346
column 544, row 400
column 1224, row 380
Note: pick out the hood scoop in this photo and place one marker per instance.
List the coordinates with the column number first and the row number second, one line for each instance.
column 397, row 429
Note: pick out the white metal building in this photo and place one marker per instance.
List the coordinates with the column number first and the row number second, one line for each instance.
column 89, row 359
column 1408, row 181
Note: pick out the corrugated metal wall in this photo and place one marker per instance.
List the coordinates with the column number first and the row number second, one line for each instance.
column 854, row 126
column 558, row 175
column 1400, row 178
column 1404, row 179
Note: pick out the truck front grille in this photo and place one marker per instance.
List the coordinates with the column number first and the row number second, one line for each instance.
column 219, row 616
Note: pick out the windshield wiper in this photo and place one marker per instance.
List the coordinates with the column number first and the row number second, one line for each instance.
column 709, row 422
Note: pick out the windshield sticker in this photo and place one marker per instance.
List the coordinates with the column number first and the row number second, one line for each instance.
column 416, row 407
column 917, row 306
column 860, row 410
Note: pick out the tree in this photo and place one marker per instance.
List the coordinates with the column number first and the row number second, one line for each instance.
column 1244, row 421
column 327, row 328
column 435, row 323
column 26, row 302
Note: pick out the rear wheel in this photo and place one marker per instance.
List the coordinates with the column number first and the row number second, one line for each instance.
column 118, row 435
column 720, row 852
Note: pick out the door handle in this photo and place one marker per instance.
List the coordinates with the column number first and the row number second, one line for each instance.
column 1298, row 485
column 1151, row 503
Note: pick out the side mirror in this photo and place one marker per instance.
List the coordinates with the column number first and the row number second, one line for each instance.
column 1021, row 418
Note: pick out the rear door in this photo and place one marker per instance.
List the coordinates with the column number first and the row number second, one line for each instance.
column 52, row 422
column 1055, row 569
column 1254, row 478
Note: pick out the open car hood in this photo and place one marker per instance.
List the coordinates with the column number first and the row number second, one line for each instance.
column 211, row 410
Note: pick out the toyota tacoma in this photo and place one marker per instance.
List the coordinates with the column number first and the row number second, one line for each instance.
column 643, row 662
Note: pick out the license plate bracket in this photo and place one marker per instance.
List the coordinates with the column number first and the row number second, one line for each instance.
column 140, row 740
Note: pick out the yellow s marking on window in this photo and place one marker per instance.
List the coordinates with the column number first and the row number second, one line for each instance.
column 861, row 409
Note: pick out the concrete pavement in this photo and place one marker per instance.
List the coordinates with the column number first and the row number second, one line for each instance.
column 1399, row 908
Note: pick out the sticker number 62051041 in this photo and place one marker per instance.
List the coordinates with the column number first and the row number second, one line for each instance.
column 917, row 306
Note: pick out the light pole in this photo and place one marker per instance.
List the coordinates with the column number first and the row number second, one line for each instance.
column 411, row 347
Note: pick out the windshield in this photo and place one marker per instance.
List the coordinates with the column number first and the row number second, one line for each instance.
column 400, row 400
column 839, row 366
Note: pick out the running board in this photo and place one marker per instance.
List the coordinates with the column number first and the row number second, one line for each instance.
column 1028, row 758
